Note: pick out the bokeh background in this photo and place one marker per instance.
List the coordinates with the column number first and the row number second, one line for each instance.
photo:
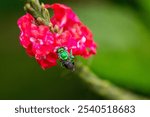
column 121, row 29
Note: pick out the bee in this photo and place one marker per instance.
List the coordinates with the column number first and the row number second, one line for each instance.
column 66, row 58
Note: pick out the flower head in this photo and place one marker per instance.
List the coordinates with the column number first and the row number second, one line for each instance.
column 67, row 31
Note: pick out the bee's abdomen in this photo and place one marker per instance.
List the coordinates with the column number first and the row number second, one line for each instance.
column 68, row 65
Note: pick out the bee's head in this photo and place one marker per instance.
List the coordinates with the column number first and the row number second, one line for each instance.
column 60, row 50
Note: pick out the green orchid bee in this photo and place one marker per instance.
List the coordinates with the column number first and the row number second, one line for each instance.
column 66, row 58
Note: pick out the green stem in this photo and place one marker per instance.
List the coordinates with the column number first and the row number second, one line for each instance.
column 103, row 87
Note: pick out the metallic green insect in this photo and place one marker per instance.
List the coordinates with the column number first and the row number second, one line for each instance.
column 66, row 58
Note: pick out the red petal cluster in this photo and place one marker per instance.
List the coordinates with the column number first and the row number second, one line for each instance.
column 41, row 43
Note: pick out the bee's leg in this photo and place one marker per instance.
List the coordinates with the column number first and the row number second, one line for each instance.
column 71, row 55
column 61, row 64
column 73, row 63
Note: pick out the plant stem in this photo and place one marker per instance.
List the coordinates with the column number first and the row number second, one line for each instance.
column 103, row 87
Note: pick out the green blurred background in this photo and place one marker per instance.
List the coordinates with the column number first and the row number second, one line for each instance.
column 121, row 29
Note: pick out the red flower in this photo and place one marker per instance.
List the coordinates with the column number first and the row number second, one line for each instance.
column 41, row 43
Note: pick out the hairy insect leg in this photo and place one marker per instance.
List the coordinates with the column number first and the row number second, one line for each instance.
column 71, row 56
column 62, row 64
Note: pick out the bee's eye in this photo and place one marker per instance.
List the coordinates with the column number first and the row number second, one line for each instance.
column 60, row 50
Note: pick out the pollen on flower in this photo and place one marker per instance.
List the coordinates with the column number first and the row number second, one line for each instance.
column 41, row 42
